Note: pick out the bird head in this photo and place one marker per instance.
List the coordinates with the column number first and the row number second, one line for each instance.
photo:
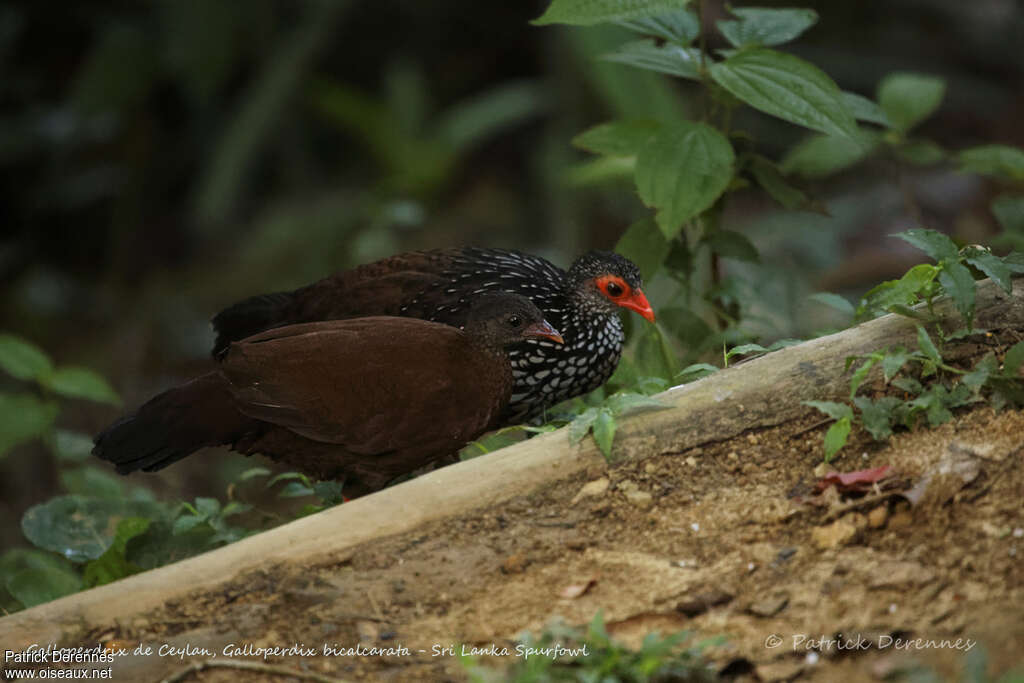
column 604, row 280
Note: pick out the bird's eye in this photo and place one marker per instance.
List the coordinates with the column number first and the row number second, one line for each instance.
column 614, row 289
column 514, row 321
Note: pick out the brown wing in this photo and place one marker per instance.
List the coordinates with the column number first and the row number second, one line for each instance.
column 372, row 385
column 379, row 288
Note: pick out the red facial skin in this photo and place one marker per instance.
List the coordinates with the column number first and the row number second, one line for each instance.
column 621, row 294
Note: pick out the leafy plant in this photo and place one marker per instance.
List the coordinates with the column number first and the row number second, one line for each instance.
column 565, row 653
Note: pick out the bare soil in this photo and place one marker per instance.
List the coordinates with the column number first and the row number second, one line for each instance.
column 719, row 539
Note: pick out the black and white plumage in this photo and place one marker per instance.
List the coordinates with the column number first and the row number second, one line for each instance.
column 582, row 303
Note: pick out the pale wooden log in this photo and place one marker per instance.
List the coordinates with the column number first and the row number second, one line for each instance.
column 763, row 392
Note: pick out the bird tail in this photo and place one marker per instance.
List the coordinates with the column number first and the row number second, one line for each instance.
column 173, row 425
column 249, row 317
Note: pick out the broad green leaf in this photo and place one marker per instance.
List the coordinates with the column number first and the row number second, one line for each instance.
column 645, row 245
column 822, row 155
column 835, row 437
column 77, row 382
column 861, row 374
column 579, row 427
column 616, row 138
column 788, row 87
column 837, row 411
column 677, row 26
column 295, row 489
column 92, row 481
column 769, row 177
column 745, row 349
column 113, row 564
column 692, row 373
column 627, row 402
column 931, row 242
column 81, row 528
column 1013, row 360
column 907, row 384
column 1009, row 211
column 990, row 264
column 601, row 170
column 208, row 507
column 33, row 587
column 903, row 292
column 763, row 26
column 668, row 58
column 682, row 170
column 840, row 303
column 865, row 109
column 927, row 346
column 734, row 245
column 893, row 362
column 604, row 432
column 977, row 377
column 22, row 359
column 590, row 12
column 1001, row 161
column 23, row 417
column 69, row 446
column 254, row 472
column 921, row 152
column 875, row 416
column 958, row 282
column 289, row 476
column 908, row 98
column 654, row 356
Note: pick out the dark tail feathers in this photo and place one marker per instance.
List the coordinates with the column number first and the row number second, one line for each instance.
column 173, row 425
column 249, row 317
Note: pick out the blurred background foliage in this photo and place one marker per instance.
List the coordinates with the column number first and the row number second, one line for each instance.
column 160, row 160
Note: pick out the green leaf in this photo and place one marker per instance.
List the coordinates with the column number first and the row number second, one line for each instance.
column 927, row 346
column 69, row 446
column 582, row 423
column 113, row 564
column 590, row 12
column 600, row 170
column 677, row 26
column 33, row 587
column 1009, row 211
column 840, row 303
column 682, row 170
column 645, row 245
column 822, row 155
column 837, row 411
column 81, row 528
column 696, row 371
column 689, row 328
column 864, row 109
column 788, row 87
column 1013, row 360
column 745, row 349
column 769, row 177
column 1001, row 161
column 604, row 432
column 734, row 245
column 616, row 138
column 186, row 523
column 893, row 362
column 254, row 472
column 977, row 377
column 860, row 375
column 835, row 437
column 77, row 382
column 993, row 266
column 295, row 489
column 903, row 292
column 626, row 402
column 921, row 152
column 909, row 98
column 876, row 416
column 907, row 384
column 668, row 58
column 932, row 242
column 23, row 417
column 958, row 282
column 762, row 26
column 289, row 476
column 92, row 481
column 22, row 359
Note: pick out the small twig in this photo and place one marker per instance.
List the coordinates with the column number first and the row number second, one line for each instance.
column 814, row 426
column 839, row 510
column 244, row 665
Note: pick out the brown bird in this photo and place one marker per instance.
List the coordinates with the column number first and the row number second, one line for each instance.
column 364, row 400
column 583, row 303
